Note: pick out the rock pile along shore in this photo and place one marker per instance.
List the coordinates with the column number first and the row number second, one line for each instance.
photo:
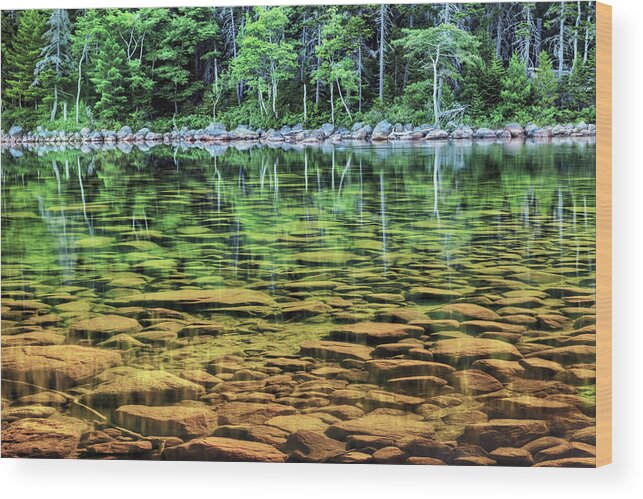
column 216, row 133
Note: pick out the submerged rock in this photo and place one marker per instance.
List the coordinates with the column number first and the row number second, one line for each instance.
column 42, row 438
column 123, row 386
column 224, row 449
column 56, row 366
column 173, row 420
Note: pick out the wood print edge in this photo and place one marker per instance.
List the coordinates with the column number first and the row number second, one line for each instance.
column 604, row 234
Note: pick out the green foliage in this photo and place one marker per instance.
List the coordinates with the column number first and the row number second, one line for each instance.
column 20, row 59
column 516, row 89
column 545, row 84
column 265, row 57
column 191, row 66
column 437, row 51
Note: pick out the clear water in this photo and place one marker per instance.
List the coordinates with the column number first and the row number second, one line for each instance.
column 86, row 233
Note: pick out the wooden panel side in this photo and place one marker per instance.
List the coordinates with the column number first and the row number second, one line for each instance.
column 603, row 234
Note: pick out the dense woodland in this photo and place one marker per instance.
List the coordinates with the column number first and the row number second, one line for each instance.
column 481, row 64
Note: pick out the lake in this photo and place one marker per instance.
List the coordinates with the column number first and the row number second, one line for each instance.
column 393, row 291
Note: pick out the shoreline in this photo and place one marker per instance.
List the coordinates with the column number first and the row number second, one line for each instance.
column 216, row 134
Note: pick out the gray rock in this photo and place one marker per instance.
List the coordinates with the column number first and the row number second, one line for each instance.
column 485, row 133
column 382, row 130
column 15, row 131
column 84, row 132
column 124, row 132
column 530, row 129
column 437, row 134
column 515, row 129
column 327, row 129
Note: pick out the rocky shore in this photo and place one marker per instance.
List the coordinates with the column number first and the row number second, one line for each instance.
column 217, row 133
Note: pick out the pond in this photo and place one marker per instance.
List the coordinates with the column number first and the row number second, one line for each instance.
column 392, row 291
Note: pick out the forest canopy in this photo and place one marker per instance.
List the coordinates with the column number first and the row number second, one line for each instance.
column 479, row 64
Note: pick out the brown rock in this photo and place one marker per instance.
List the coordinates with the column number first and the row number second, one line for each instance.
column 374, row 333
column 389, row 455
column 464, row 311
column 417, row 385
column 312, row 447
column 104, row 326
column 464, row 351
column 136, row 386
column 224, row 449
column 384, row 369
column 57, row 366
column 504, row 433
column 512, row 456
column 502, row 370
column 244, row 413
column 574, row 354
column 175, row 420
column 256, row 433
column 395, row 425
column 474, row 382
column 335, row 350
column 538, row 368
column 42, row 438
column 566, row 451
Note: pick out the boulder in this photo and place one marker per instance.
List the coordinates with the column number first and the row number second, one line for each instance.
column 104, row 326
column 335, row 350
column 382, row 130
column 437, row 134
column 15, row 131
column 515, row 130
column 374, row 333
column 224, row 449
column 174, row 420
column 384, row 423
column 327, row 130
column 474, row 382
column 504, row 433
column 124, row 132
column 384, row 369
column 48, row 438
column 484, row 133
column 124, row 386
column 307, row 446
column 235, row 413
column 464, row 351
column 464, row 311
column 56, row 366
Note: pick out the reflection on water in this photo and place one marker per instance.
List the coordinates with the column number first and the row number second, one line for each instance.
column 225, row 262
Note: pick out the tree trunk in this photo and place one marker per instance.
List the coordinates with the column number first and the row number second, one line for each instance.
column 332, row 105
column 234, row 51
column 80, row 69
column 318, row 82
column 305, row 103
column 435, row 90
column 54, row 108
column 538, row 40
column 561, row 40
column 576, row 30
column 381, row 54
column 339, row 91
column 359, row 77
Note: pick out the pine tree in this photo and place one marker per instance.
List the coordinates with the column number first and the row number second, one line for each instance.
column 22, row 57
column 108, row 78
column 516, row 89
column 55, row 63
column 545, row 84
column 490, row 83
